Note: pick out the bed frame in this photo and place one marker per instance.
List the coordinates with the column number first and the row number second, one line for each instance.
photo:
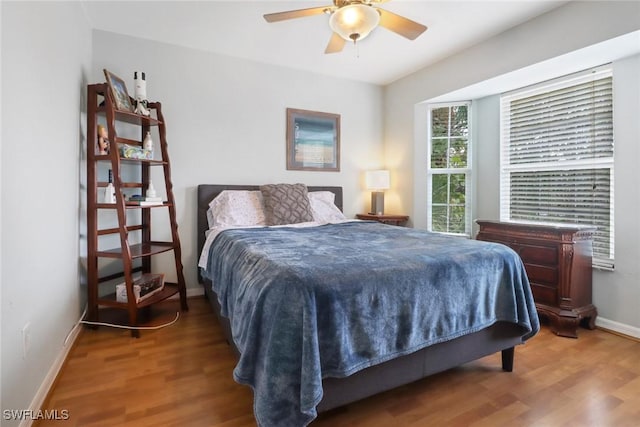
column 501, row 336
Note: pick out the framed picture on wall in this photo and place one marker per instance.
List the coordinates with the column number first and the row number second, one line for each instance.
column 118, row 90
column 313, row 141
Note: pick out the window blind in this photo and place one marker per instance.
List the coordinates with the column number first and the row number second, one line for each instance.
column 557, row 156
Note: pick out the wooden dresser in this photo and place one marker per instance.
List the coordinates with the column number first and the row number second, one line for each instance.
column 558, row 264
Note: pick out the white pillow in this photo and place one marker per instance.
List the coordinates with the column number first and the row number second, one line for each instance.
column 323, row 207
column 236, row 208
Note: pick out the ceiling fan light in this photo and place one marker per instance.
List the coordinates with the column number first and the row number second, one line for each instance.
column 355, row 21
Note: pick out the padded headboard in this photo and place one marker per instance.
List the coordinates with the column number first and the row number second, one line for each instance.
column 207, row 192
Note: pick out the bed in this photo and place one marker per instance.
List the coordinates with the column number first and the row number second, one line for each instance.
column 317, row 326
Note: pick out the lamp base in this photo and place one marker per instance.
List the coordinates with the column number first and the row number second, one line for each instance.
column 377, row 203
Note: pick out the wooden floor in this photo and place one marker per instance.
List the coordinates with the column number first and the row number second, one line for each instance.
column 181, row 376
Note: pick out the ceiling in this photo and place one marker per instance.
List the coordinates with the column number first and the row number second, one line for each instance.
column 236, row 28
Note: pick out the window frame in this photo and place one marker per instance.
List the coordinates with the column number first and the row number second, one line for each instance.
column 467, row 171
column 595, row 163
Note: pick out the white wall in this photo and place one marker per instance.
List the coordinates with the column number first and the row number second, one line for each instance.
column 225, row 120
column 486, row 135
column 1, row 239
column 617, row 294
column 44, row 73
column 539, row 45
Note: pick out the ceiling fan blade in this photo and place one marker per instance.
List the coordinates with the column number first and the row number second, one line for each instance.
column 400, row 25
column 291, row 14
column 336, row 43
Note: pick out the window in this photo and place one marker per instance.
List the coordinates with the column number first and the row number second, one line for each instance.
column 449, row 170
column 557, row 156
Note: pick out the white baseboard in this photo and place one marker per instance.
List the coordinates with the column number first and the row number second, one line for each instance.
column 618, row 327
column 50, row 378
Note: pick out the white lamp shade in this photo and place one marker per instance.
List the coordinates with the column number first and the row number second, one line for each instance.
column 355, row 21
column 377, row 180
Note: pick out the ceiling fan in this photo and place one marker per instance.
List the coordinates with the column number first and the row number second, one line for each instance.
column 353, row 20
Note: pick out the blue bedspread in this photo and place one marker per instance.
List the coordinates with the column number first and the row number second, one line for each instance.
column 327, row 301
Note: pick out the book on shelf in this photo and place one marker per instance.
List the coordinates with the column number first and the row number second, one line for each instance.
column 135, row 198
column 144, row 203
column 144, row 286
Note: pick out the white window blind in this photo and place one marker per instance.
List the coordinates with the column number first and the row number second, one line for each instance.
column 557, row 156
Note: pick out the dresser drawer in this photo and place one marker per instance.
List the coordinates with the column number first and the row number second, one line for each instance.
column 544, row 294
column 542, row 274
column 545, row 255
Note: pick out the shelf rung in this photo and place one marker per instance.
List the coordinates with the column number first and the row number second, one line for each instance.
column 124, row 184
column 151, row 162
column 117, row 230
column 169, row 290
column 139, row 250
column 127, row 206
column 136, row 119
column 118, row 275
column 121, row 140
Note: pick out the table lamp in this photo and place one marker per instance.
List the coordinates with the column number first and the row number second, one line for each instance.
column 377, row 182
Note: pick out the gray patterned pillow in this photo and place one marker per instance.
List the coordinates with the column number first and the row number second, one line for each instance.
column 286, row 203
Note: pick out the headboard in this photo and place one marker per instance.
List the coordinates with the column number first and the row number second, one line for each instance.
column 207, row 192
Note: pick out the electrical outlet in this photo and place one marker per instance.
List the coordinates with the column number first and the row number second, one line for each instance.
column 26, row 339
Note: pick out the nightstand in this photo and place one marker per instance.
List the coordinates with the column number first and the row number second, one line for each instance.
column 385, row 219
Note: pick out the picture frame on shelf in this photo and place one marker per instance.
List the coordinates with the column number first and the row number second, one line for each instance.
column 119, row 92
column 313, row 141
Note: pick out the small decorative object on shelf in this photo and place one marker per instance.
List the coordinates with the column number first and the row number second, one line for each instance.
column 132, row 152
column 110, row 191
column 143, row 287
column 140, row 93
column 151, row 193
column 147, row 144
column 119, row 94
column 103, row 140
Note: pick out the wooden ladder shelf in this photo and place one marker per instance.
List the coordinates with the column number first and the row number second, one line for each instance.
column 125, row 260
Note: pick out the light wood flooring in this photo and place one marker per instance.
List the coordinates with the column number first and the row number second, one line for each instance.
column 181, row 376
